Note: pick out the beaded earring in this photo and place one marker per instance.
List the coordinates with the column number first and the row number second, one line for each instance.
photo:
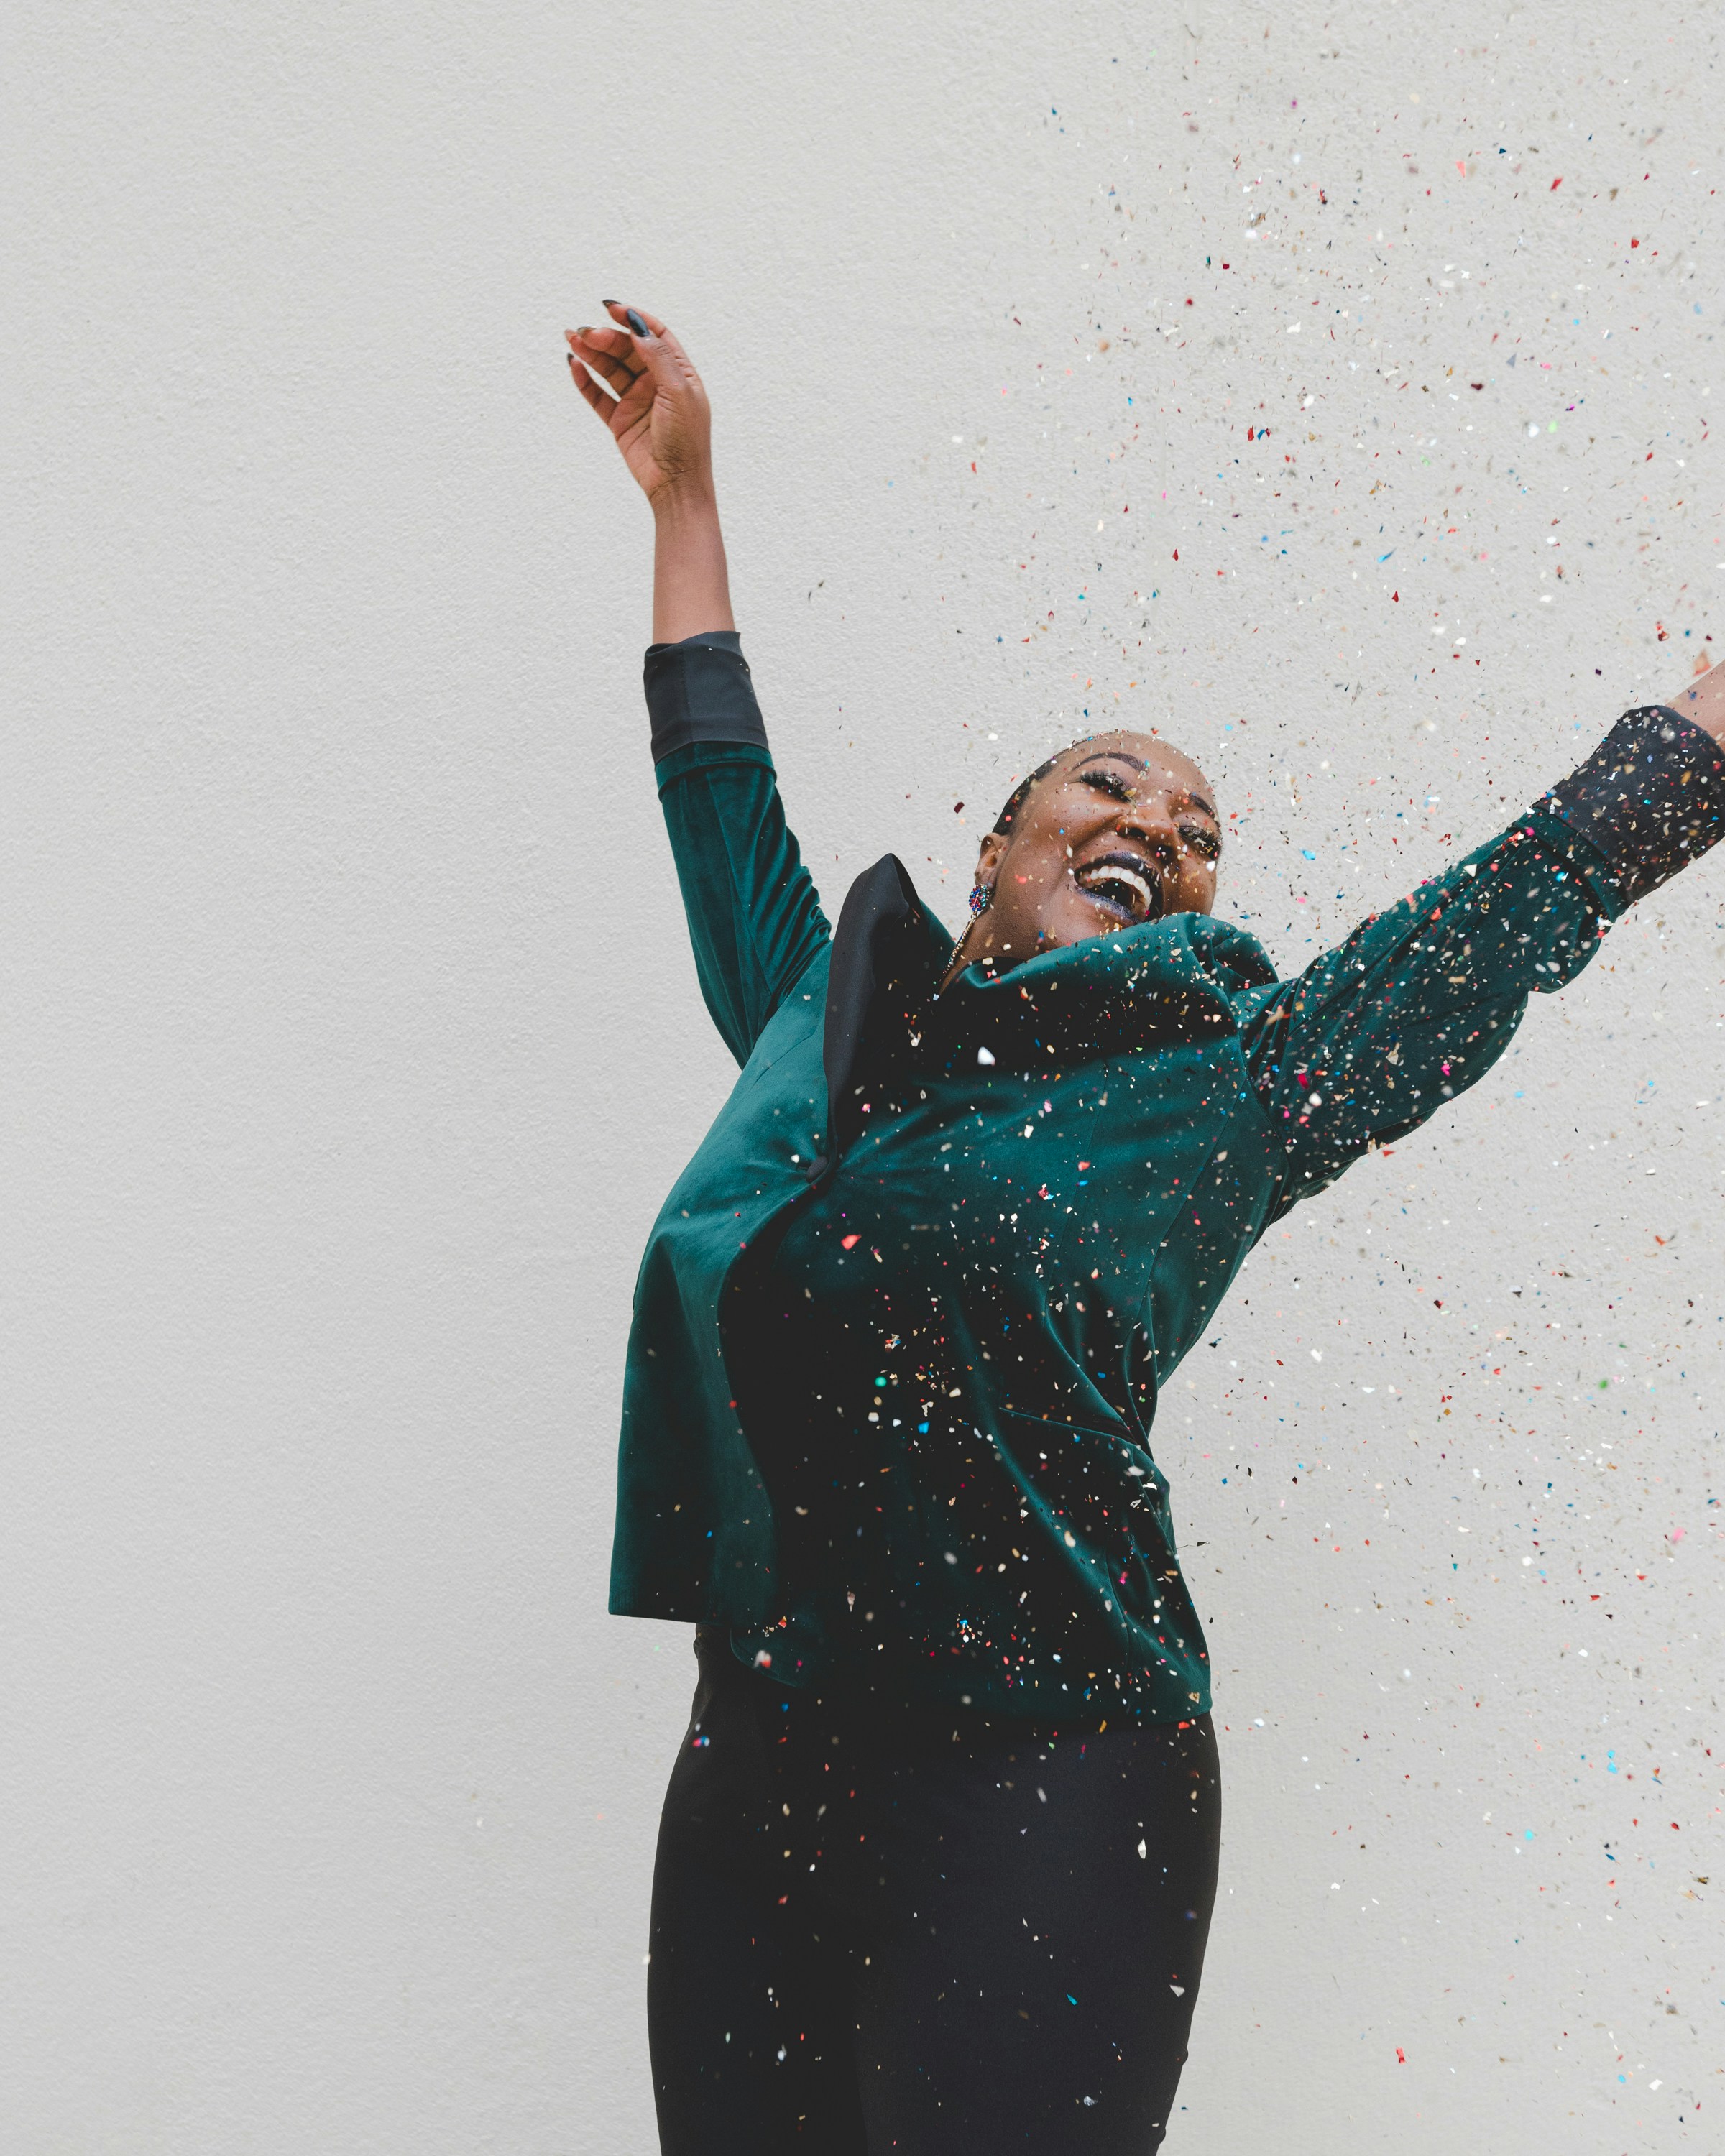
column 982, row 896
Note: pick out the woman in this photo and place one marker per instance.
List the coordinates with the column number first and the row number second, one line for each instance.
column 937, row 1857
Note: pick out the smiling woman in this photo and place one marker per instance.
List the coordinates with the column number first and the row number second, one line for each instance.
column 1117, row 830
column 938, row 1853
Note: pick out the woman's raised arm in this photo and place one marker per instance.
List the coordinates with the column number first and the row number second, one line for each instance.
column 754, row 919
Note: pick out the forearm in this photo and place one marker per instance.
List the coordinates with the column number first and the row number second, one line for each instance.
column 691, row 590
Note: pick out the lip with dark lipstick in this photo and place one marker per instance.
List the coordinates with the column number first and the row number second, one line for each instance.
column 1122, row 884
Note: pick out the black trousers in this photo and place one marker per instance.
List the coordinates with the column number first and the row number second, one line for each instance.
column 878, row 1927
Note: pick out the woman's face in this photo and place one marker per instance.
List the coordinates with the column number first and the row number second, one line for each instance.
column 1123, row 829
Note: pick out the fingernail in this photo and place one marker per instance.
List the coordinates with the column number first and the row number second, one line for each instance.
column 635, row 323
column 610, row 303
column 580, row 332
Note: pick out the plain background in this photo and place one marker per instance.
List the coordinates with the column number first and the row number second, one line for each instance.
column 1330, row 389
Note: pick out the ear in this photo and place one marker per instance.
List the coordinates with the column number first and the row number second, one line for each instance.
column 989, row 856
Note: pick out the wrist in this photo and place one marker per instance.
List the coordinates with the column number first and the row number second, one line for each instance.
column 685, row 500
column 1704, row 701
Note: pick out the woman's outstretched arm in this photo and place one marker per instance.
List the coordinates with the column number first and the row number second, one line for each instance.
column 754, row 920
column 1419, row 1002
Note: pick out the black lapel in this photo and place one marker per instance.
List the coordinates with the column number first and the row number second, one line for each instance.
column 884, row 929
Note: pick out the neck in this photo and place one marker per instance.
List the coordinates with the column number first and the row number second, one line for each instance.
column 963, row 955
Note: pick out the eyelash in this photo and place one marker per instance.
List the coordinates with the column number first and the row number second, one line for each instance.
column 1200, row 841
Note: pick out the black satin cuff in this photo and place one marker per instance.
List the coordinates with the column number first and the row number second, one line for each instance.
column 700, row 690
column 1651, row 798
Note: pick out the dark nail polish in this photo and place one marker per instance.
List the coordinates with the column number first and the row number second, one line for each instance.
column 610, row 303
column 635, row 323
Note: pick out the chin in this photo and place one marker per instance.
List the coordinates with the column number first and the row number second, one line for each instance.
column 1084, row 927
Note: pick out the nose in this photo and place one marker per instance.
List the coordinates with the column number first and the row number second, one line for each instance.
column 1149, row 818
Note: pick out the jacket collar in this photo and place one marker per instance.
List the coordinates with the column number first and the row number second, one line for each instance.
column 888, row 949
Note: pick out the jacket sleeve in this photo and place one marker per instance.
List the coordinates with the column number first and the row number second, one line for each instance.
column 1422, row 999
column 754, row 919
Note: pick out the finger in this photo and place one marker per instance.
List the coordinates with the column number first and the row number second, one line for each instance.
column 616, row 376
column 619, row 310
column 667, row 340
column 652, row 323
column 621, row 414
column 663, row 357
column 656, row 331
column 618, row 368
column 602, row 402
column 619, row 344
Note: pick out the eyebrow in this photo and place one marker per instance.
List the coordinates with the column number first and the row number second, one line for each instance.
column 1138, row 763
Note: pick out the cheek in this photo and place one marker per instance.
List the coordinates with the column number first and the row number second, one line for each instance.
column 1046, row 902
column 1043, row 871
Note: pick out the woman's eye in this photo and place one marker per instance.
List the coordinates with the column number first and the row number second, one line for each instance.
column 1202, row 841
column 1106, row 782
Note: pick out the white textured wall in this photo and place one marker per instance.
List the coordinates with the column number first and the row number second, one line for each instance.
column 350, row 1039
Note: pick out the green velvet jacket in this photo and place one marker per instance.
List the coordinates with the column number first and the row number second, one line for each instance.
column 1060, row 1169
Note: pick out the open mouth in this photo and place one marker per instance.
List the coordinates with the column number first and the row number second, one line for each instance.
column 1118, row 884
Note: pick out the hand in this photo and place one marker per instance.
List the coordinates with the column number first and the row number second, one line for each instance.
column 652, row 400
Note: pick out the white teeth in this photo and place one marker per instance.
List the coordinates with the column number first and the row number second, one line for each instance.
column 1112, row 872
